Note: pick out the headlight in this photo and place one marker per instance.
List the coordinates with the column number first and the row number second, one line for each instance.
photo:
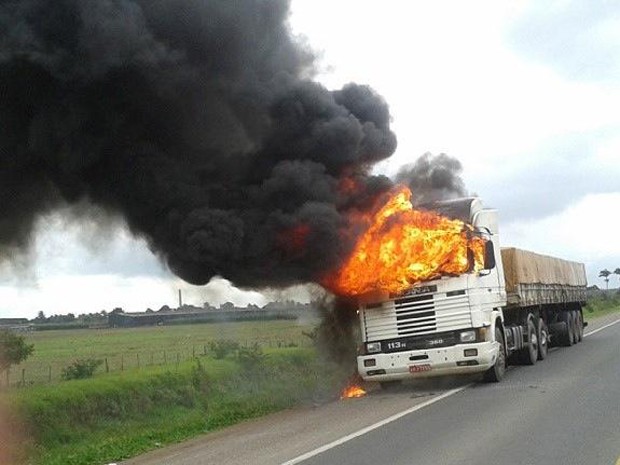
column 373, row 347
column 468, row 336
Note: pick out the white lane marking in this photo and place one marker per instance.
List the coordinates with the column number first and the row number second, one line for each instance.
column 395, row 417
column 374, row 426
column 601, row 328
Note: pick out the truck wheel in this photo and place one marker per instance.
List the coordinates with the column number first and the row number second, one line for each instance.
column 580, row 325
column 566, row 336
column 496, row 372
column 543, row 339
column 573, row 316
column 529, row 354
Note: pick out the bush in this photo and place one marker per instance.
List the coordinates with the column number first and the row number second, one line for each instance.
column 223, row 347
column 81, row 369
column 250, row 357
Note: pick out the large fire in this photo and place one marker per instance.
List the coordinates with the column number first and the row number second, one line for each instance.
column 402, row 246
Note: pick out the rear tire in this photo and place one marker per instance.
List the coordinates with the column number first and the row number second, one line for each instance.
column 497, row 371
column 566, row 337
column 543, row 339
column 573, row 315
column 529, row 354
column 580, row 325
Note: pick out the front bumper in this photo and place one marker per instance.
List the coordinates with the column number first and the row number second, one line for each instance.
column 438, row 362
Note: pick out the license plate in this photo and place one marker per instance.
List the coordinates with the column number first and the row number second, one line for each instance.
column 419, row 368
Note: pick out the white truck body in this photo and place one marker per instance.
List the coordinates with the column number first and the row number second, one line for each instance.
column 448, row 326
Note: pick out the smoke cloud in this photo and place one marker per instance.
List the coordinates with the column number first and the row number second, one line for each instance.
column 196, row 121
column 432, row 178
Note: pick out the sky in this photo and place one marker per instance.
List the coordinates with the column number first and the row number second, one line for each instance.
column 525, row 94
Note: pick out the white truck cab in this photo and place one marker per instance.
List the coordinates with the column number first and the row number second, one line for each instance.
column 468, row 323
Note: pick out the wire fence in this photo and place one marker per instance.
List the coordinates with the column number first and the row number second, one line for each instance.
column 34, row 372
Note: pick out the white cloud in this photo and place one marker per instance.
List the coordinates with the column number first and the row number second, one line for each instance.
column 586, row 231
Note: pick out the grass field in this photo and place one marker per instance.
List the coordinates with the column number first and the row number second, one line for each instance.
column 130, row 348
column 171, row 386
column 118, row 415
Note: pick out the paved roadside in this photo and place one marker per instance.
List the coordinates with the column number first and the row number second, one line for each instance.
column 275, row 438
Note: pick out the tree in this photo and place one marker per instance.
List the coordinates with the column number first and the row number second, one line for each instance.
column 41, row 317
column 13, row 349
column 605, row 275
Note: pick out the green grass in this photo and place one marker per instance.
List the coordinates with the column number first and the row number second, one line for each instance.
column 115, row 416
column 601, row 306
column 128, row 348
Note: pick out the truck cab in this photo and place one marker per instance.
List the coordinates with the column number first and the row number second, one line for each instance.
column 441, row 327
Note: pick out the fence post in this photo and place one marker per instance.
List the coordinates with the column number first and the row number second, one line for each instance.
column 107, row 367
column 138, row 359
column 122, row 363
column 8, row 381
column 193, row 352
column 151, row 358
column 165, row 359
column 23, row 377
column 205, row 349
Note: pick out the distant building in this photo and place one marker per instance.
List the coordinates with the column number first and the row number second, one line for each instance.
column 191, row 314
column 15, row 324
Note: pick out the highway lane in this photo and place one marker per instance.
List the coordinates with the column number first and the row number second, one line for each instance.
column 564, row 410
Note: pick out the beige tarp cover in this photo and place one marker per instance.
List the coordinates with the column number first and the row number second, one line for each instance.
column 523, row 267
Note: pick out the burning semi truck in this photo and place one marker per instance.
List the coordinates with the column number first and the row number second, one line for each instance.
column 438, row 296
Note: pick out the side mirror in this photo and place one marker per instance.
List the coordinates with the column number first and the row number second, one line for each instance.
column 489, row 255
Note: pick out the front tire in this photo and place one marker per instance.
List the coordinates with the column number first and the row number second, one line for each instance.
column 497, row 371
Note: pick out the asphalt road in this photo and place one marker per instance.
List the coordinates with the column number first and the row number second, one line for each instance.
column 564, row 410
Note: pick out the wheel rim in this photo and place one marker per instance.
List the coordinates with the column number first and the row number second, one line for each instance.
column 533, row 337
column 543, row 338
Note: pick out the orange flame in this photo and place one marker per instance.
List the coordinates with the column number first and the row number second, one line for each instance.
column 352, row 392
column 402, row 246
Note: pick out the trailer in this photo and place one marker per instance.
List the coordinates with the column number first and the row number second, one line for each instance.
column 512, row 310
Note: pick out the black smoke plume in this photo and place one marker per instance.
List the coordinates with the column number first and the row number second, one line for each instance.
column 432, row 178
column 195, row 120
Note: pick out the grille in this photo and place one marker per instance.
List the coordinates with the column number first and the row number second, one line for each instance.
column 416, row 315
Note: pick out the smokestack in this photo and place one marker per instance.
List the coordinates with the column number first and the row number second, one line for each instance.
column 194, row 120
column 180, row 299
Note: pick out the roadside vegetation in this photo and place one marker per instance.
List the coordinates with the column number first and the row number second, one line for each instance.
column 602, row 304
column 115, row 416
column 228, row 372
